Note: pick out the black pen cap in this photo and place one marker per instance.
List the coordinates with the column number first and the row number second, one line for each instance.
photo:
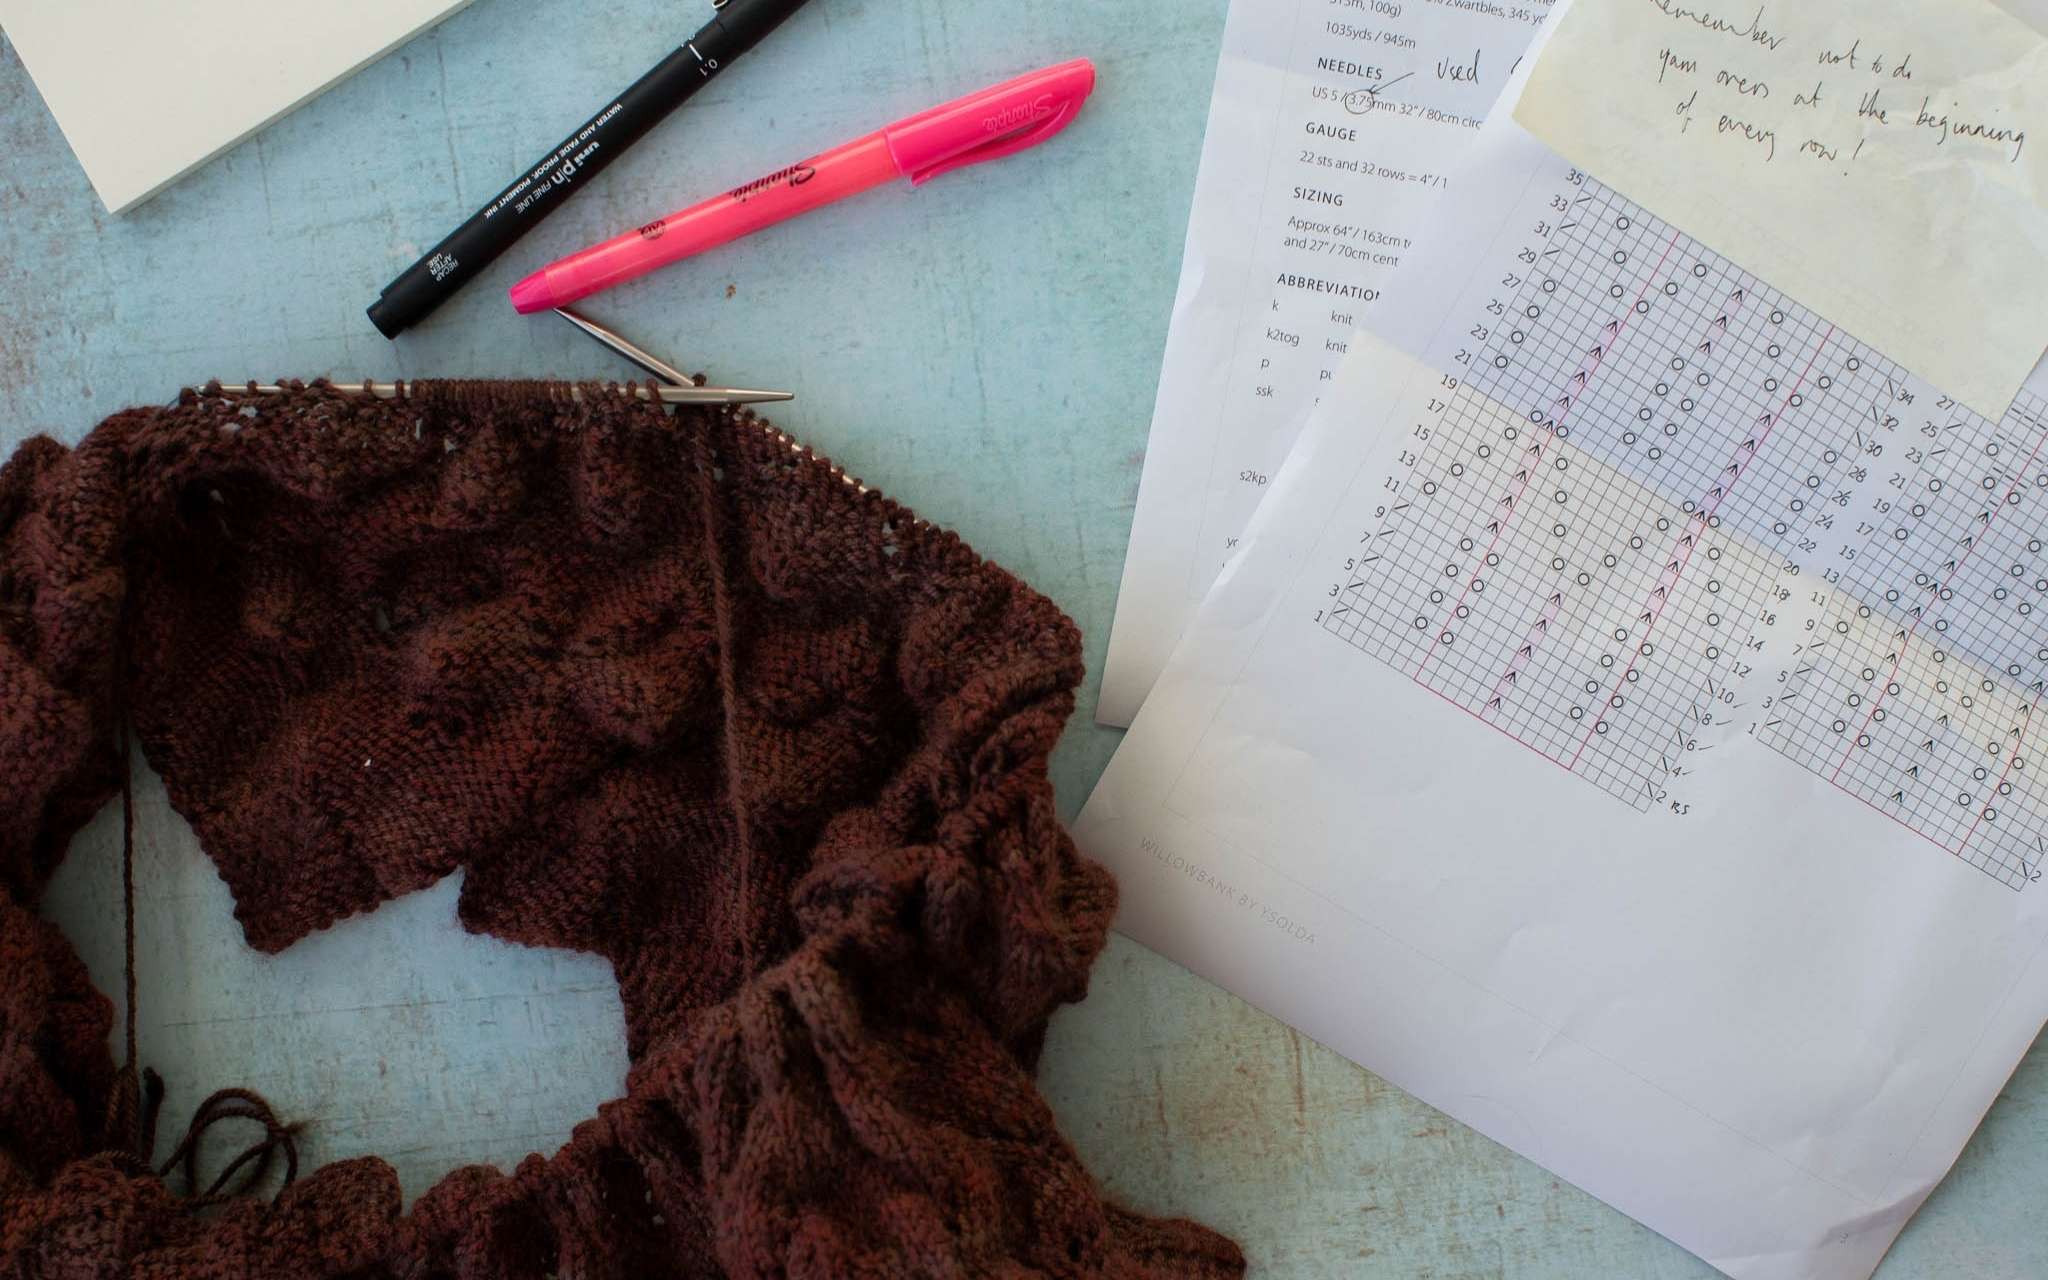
column 742, row 24
column 407, row 301
column 735, row 27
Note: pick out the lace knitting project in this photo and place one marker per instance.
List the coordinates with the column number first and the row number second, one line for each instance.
column 671, row 692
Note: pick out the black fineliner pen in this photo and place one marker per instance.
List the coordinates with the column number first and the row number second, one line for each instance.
column 735, row 27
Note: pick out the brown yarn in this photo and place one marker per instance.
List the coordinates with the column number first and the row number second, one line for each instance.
column 667, row 692
column 234, row 1104
column 142, row 1111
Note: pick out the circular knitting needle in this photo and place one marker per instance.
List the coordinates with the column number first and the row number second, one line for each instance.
column 680, row 388
column 662, row 369
column 667, row 395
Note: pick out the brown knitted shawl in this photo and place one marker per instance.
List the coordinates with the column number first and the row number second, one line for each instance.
column 670, row 692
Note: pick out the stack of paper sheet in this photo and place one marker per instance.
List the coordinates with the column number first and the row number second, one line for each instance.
column 1618, row 725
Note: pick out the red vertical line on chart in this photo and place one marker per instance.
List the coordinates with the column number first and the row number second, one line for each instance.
column 1983, row 521
column 1526, row 654
column 1695, row 532
column 1575, row 391
column 1497, row 701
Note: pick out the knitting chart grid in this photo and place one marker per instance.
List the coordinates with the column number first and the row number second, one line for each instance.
column 1645, row 463
column 1917, row 692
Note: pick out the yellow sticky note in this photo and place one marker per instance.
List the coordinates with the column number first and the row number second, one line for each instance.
column 1886, row 165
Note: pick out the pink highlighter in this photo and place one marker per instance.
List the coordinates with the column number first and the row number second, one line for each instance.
column 989, row 125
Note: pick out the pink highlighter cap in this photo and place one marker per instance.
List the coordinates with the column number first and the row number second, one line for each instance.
column 533, row 294
column 989, row 125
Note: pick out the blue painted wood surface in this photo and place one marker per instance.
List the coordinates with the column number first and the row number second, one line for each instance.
column 985, row 350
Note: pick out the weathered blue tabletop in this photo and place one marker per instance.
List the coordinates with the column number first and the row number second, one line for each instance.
column 985, row 350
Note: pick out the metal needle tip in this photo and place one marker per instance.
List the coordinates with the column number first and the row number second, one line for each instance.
column 686, row 385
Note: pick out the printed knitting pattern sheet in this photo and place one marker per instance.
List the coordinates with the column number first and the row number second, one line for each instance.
column 1620, row 731
column 1332, row 125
